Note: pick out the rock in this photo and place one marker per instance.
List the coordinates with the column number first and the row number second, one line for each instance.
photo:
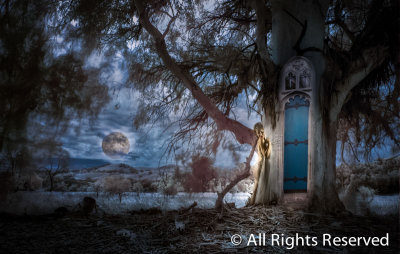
column 179, row 225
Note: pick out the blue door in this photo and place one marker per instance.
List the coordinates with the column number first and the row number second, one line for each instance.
column 296, row 144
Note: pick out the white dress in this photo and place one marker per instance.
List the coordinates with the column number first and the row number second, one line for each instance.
column 265, row 192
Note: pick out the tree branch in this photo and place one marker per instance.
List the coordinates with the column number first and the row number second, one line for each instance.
column 169, row 25
column 296, row 46
column 340, row 22
column 242, row 133
column 359, row 69
column 239, row 177
column 262, row 12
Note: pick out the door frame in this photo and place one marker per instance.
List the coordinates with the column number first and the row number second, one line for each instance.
column 284, row 95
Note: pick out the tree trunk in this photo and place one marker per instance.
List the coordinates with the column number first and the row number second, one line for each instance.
column 51, row 178
column 322, row 195
column 296, row 27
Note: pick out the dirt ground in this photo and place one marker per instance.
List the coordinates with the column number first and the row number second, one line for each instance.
column 188, row 231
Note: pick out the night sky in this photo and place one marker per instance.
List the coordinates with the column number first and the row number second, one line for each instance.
column 148, row 143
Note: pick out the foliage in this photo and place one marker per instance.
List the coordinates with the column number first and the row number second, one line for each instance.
column 195, row 62
column 116, row 185
column 170, row 190
column 382, row 176
column 202, row 174
column 215, row 42
column 148, row 185
column 44, row 82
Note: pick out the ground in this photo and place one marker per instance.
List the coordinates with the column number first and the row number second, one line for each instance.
column 188, row 231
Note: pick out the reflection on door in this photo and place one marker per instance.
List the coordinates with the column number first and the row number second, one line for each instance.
column 296, row 144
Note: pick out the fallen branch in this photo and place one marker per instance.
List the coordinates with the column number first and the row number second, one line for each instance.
column 239, row 177
column 184, row 210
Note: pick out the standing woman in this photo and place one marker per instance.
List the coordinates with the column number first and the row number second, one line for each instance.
column 262, row 168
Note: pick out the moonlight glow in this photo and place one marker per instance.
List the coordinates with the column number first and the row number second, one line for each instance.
column 115, row 145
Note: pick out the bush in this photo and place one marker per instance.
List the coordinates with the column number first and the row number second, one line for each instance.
column 148, row 185
column 170, row 190
column 117, row 185
column 382, row 176
column 137, row 187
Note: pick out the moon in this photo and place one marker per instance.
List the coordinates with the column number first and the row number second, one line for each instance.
column 115, row 145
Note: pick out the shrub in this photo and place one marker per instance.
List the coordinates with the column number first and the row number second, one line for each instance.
column 170, row 190
column 117, row 185
column 148, row 185
column 381, row 176
column 137, row 187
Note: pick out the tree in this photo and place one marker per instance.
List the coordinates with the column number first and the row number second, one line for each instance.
column 43, row 81
column 116, row 184
column 57, row 161
column 202, row 174
column 198, row 59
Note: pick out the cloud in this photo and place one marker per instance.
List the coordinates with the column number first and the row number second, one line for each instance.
column 148, row 144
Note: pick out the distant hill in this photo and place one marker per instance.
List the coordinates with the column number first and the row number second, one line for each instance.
column 82, row 163
column 165, row 167
column 105, row 166
column 115, row 168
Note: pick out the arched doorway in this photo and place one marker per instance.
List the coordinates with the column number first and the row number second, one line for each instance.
column 296, row 144
column 293, row 157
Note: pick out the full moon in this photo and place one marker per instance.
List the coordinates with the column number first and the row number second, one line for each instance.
column 115, row 145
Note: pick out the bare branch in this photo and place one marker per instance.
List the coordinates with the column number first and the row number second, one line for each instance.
column 169, row 25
